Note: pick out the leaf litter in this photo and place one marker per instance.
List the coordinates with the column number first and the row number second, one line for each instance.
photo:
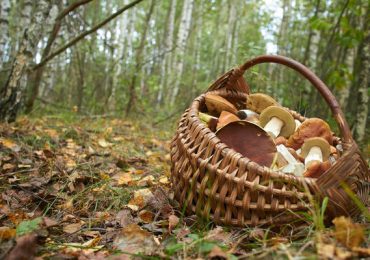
column 93, row 189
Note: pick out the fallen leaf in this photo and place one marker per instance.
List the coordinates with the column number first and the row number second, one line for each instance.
column 72, row 228
column 123, row 178
column 134, row 240
column 348, row 233
column 146, row 216
column 325, row 251
column 146, row 181
column 140, row 199
column 218, row 234
column 103, row 143
column 48, row 222
column 164, row 180
column 10, row 144
column 173, row 220
column 25, row 248
column 124, row 217
column 217, row 253
column 7, row 233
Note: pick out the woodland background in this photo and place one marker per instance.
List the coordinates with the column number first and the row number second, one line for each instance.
column 154, row 58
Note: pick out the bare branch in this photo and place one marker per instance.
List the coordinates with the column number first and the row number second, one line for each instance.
column 84, row 34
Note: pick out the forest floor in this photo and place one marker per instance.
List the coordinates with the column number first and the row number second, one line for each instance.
column 96, row 188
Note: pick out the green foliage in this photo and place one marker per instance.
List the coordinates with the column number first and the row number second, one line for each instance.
column 28, row 226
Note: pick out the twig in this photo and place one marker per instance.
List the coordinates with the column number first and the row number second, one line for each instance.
column 84, row 34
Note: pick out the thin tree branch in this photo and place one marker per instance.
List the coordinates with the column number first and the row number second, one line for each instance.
column 84, row 34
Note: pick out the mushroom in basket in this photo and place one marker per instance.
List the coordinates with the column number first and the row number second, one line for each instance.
column 257, row 102
column 316, row 152
column 250, row 140
column 277, row 121
column 216, row 104
column 312, row 127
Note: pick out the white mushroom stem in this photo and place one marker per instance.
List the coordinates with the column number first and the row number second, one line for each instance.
column 274, row 126
column 248, row 113
column 294, row 167
column 314, row 154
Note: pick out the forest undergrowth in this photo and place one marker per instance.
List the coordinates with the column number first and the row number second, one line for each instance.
column 77, row 187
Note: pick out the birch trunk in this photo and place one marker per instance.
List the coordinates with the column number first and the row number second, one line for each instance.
column 11, row 94
column 4, row 31
column 139, row 53
column 121, row 49
column 363, row 82
column 182, row 37
column 230, row 33
column 168, row 46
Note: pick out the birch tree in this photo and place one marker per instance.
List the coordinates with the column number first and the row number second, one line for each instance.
column 363, row 81
column 184, row 30
column 168, row 46
column 11, row 93
column 4, row 31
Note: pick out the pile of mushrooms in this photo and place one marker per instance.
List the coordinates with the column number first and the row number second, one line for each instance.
column 267, row 133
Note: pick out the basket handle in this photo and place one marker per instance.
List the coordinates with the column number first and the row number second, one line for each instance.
column 308, row 74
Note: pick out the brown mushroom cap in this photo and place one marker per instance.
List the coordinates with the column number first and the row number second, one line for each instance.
column 319, row 142
column 312, row 127
column 281, row 113
column 226, row 118
column 257, row 102
column 249, row 140
column 316, row 169
column 216, row 104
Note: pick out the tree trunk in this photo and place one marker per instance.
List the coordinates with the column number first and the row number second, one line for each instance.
column 121, row 49
column 230, row 33
column 363, row 82
column 11, row 93
column 182, row 37
column 53, row 24
column 132, row 88
column 4, row 31
column 168, row 46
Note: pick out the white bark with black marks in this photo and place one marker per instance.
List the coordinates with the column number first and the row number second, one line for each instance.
column 182, row 38
column 11, row 94
column 4, row 31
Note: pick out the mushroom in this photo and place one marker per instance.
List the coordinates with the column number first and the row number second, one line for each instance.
column 226, row 118
column 280, row 140
column 244, row 137
column 312, row 127
column 295, row 167
column 257, row 102
column 277, row 121
column 246, row 113
column 216, row 104
column 316, row 169
column 249, row 115
column 297, row 124
column 315, row 149
column 210, row 121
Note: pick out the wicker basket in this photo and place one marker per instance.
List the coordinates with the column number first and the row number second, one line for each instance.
column 221, row 185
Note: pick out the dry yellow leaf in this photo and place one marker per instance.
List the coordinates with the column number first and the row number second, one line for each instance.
column 123, row 178
column 10, row 144
column 72, row 228
column 103, row 143
column 7, row 233
column 348, row 233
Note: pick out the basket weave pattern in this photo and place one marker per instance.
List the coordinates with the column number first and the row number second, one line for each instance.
column 219, row 184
